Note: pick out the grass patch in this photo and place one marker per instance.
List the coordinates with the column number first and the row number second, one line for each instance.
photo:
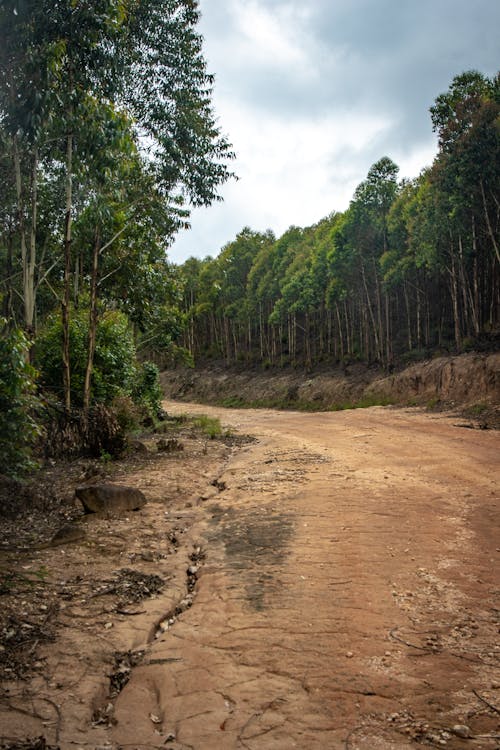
column 363, row 403
column 287, row 404
column 477, row 410
column 434, row 404
column 210, row 426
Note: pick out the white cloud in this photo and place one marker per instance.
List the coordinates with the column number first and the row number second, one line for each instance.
column 289, row 174
column 312, row 94
column 269, row 38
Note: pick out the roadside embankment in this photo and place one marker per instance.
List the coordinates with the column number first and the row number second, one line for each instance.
column 468, row 380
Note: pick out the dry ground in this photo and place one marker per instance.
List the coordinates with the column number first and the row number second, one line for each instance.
column 332, row 585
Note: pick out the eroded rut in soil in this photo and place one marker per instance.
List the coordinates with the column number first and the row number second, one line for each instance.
column 346, row 594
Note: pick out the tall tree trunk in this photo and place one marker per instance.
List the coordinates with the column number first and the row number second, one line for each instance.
column 261, row 331
column 341, row 335
column 21, row 228
column 348, row 329
column 7, row 306
column 67, row 274
column 388, row 342
column 408, row 314
column 370, row 310
column 488, row 223
column 465, row 287
column 29, row 281
column 454, row 300
column 476, row 307
column 92, row 324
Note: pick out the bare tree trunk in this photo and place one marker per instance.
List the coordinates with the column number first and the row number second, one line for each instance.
column 76, row 282
column 476, row 308
column 20, row 224
column 261, row 330
column 388, row 342
column 408, row 315
column 370, row 310
column 29, row 281
column 454, row 300
column 488, row 224
column 419, row 321
column 67, row 274
column 348, row 329
column 92, row 323
column 7, row 306
column 464, row 285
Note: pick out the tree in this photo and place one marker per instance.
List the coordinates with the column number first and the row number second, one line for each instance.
column 72, row 76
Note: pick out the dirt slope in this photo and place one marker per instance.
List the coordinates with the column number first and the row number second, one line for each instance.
column 464, row 380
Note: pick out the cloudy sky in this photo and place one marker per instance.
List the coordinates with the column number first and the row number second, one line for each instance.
column 312, row 93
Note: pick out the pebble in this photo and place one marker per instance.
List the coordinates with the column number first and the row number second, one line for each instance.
column 461, row 730
column 349, row 654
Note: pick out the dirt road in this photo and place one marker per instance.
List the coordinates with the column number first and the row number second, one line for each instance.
column 347, row 597
column 330, row 586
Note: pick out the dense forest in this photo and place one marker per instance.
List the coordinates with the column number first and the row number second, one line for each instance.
column 410, row 267
column 108, row 137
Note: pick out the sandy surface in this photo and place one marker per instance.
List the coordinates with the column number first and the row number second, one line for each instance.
column 346, row 595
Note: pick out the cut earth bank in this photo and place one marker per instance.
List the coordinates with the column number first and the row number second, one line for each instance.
column 331, row 585
column 469, row 380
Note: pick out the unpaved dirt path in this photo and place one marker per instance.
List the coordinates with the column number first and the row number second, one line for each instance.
column 347, row 599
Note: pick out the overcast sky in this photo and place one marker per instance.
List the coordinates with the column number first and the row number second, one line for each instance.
column 312, row 93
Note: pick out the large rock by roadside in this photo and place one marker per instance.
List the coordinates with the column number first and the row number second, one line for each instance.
column 110, row 498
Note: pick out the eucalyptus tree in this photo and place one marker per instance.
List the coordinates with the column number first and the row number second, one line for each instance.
column 69, row 72
column 466, row 176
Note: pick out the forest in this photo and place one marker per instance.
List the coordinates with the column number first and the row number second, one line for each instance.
column 107, row 139
column 412, row 266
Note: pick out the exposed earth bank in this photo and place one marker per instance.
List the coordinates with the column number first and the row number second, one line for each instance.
column 469, row 380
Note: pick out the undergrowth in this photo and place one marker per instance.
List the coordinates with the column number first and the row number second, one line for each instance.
column 283, row 404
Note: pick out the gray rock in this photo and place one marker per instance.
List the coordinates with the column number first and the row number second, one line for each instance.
column 461, row 730
column 110, row 498
column 70, row 532
column 138, row 446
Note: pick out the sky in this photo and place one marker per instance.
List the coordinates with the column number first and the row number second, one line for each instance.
column 311, row 94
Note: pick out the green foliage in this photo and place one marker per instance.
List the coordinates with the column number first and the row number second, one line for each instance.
column 362, row 403
column 18, row 429
column 128, row 414
column 410, row 267
column 476, row 410
column 210, row 426
column 114, row 361
column 146, row 390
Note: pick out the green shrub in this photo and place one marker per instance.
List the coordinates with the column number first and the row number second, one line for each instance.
column 128, row 414
column 18, row 429
column 114, row 360
column 146, row 390
column 210, row 426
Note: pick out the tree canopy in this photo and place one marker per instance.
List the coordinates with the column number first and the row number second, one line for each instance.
column 411, row 267
column 107, row 137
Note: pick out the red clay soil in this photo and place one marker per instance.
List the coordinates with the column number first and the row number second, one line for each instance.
column 344, row 589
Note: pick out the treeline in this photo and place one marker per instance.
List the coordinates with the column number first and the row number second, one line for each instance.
column 411, row 266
